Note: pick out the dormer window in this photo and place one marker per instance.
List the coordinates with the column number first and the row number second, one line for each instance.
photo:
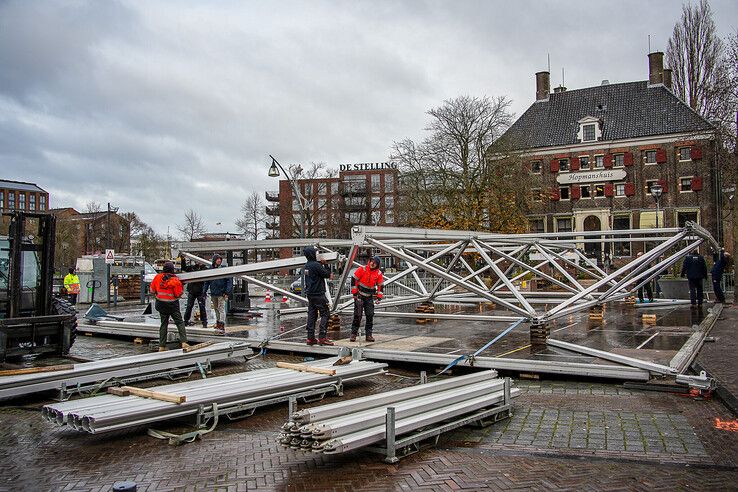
column 588, row 132
column 589, row 129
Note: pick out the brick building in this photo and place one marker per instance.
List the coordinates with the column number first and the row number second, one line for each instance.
column 360, row 194
column 80, row 234
column 19, row 195
column 596, row 153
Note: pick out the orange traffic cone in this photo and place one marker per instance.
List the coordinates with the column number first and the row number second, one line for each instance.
column 268, row 297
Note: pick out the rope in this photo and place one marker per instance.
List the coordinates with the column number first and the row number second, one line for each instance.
column 472, row 358
column 178, row 439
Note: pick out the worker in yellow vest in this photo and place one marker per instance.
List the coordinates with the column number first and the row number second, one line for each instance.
column 71, row 284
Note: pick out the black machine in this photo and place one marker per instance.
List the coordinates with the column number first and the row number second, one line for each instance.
column 32, row 321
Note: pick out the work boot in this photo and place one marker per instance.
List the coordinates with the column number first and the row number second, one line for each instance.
column 162, row 349
column 189, row 323
column 204, row 324
column 312, row 341
column 353, row 337
column 325, row 341
column 185, row 345
column 369, row 338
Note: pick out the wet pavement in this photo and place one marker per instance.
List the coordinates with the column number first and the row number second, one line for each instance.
column 622, row 330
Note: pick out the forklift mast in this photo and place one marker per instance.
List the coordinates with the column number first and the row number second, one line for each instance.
column 30, row 246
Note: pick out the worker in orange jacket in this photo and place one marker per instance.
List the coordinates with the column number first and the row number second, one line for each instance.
column 366, row 287
column 168, row 289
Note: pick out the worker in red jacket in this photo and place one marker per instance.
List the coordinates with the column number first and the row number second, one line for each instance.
column 366, row 286
column 168, row 289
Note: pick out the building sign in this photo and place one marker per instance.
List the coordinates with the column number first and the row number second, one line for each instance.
column 368, row 166
column 591, row 176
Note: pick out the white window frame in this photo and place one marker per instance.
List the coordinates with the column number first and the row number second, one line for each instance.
column 567, row 187
column 614, row 160
column 599, row 158
column 594, row 190
column 615, row 189
column 589, row 163
column 648, row 188
column 679, row 154
column 540, row 167
column 589, row 192
column 556, row 222
column 645, row 158
column 690, row 190
column 567, row 163
column 585, row 122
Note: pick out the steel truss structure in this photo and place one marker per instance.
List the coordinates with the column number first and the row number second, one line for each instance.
column 473, row 267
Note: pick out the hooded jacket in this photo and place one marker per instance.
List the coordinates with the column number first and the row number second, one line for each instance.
column 315, row 273
column 166, row 287
column 221, row 286
column 694, row 267
column 367, row 281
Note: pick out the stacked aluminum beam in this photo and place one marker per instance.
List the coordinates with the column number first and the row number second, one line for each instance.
column 118, row 368
column 107, row 413
column 353, row 424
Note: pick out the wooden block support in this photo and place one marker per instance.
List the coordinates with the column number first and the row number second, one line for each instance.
column 154, row 395
column 306, row 368
column 34, row 370
column 138, row 341
column 198, row 346
column 343, row 361
column 334, row 322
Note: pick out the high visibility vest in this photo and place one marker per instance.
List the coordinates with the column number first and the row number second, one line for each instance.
column 368, row 281
column 166, row 287
column 71, row 283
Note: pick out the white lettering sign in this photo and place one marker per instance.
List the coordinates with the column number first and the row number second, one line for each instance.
column 591, row 176
column 368, row 166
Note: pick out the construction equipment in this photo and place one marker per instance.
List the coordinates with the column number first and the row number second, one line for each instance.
column 31, row 320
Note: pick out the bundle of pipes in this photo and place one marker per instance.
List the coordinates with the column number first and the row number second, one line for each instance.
column 118, row 368
column 353, row 424
column 107, row 413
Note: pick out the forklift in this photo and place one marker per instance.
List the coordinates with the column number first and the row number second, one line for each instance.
column 32, row 321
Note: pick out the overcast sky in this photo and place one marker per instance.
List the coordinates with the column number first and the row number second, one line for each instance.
column 158, row 107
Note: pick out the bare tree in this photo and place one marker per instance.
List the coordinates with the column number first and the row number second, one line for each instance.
column 192, row 227
column 93, row 207
column 317, row 216
column 449, row 182
column 253, row 217
column 700, row 66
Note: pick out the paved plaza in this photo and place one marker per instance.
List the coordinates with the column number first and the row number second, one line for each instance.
column 563, row 435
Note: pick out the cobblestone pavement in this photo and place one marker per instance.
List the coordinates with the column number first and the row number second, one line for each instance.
column 562, row 436
column 718, row 358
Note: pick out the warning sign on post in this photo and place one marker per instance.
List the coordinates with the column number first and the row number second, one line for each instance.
column 109, row 256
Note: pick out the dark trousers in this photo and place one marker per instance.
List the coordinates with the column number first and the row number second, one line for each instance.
column 363, row 305
column 317, row 305
column 191, row 304
column 73, row 299
column 718, row 289
column 167, row 310
column 695, row 291
column 649, row 292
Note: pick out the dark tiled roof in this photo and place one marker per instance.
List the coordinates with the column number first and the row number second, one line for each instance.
column 20, row 185
column 629, row 110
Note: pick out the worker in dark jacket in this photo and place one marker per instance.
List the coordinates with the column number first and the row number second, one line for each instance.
column 316, row 272
column 168, row 289
column 196, row 292
column 366, row 287
column 721, row 262
column 695, row 269
column 220, row 289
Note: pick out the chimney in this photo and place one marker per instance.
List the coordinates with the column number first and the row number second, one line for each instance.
column 667, row 78
column 543, row 85
column 559, row 89
column 655, row 68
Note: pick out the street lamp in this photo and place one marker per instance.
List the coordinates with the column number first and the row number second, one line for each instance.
column 656, row 191
column 274, row 172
